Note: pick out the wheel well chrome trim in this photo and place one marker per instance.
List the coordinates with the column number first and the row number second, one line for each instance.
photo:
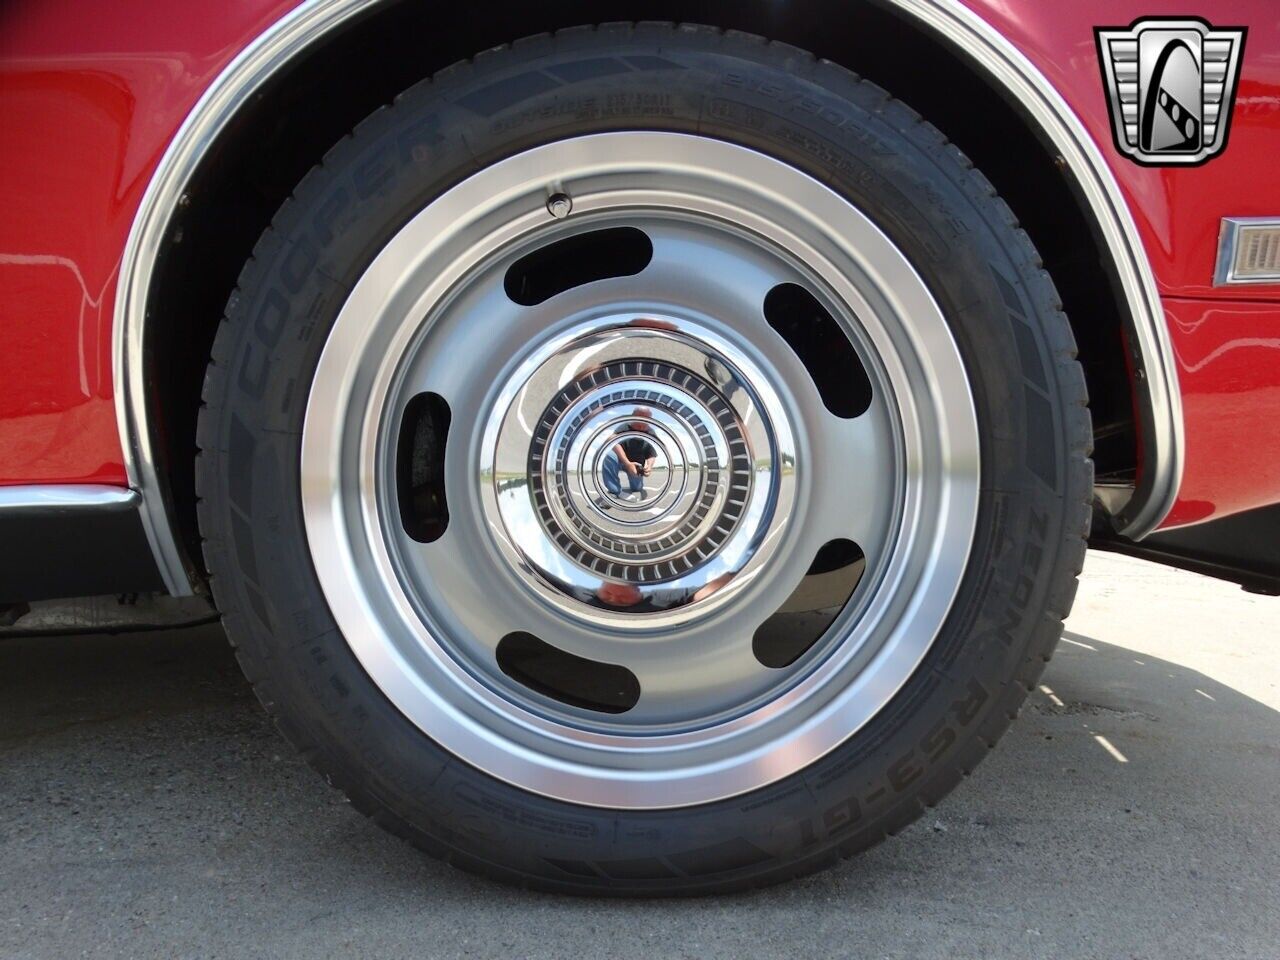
column 312, row 20
column 307, row 23
column 1157, row 378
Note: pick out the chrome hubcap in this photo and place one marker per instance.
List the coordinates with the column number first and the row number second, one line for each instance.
column 585, row 567
column 652, row 474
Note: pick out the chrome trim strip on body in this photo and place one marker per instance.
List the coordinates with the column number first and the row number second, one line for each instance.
column 1229, row 236
column 66, row 496
column 313, row 19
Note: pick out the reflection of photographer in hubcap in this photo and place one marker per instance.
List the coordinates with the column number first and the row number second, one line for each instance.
column 633, row 456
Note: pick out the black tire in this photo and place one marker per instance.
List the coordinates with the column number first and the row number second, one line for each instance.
column 982, row 269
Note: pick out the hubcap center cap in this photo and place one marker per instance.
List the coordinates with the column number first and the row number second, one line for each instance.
column 648, row 468
column 634, row 468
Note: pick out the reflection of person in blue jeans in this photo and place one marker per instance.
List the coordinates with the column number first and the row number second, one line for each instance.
column 633, row 456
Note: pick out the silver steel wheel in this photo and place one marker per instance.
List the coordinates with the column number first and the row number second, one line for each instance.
column 749, row 473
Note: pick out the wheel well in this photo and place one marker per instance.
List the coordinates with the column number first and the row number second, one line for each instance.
column 287, row 126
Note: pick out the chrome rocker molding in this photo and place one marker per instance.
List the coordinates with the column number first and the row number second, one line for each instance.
column 72, row 540
column 313, row 19
column 65, row 497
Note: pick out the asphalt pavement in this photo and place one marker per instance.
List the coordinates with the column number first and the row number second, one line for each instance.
column 148, row 809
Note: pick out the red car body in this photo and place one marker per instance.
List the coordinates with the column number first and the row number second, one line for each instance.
column 92, row 97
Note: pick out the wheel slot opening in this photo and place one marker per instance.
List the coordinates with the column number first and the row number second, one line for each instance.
column 822, row 346
column 573, row 261
column 424, row 433
column 566, row 677
column 812, row 607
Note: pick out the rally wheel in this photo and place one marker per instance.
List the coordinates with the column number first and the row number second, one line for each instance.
column 644, row 460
